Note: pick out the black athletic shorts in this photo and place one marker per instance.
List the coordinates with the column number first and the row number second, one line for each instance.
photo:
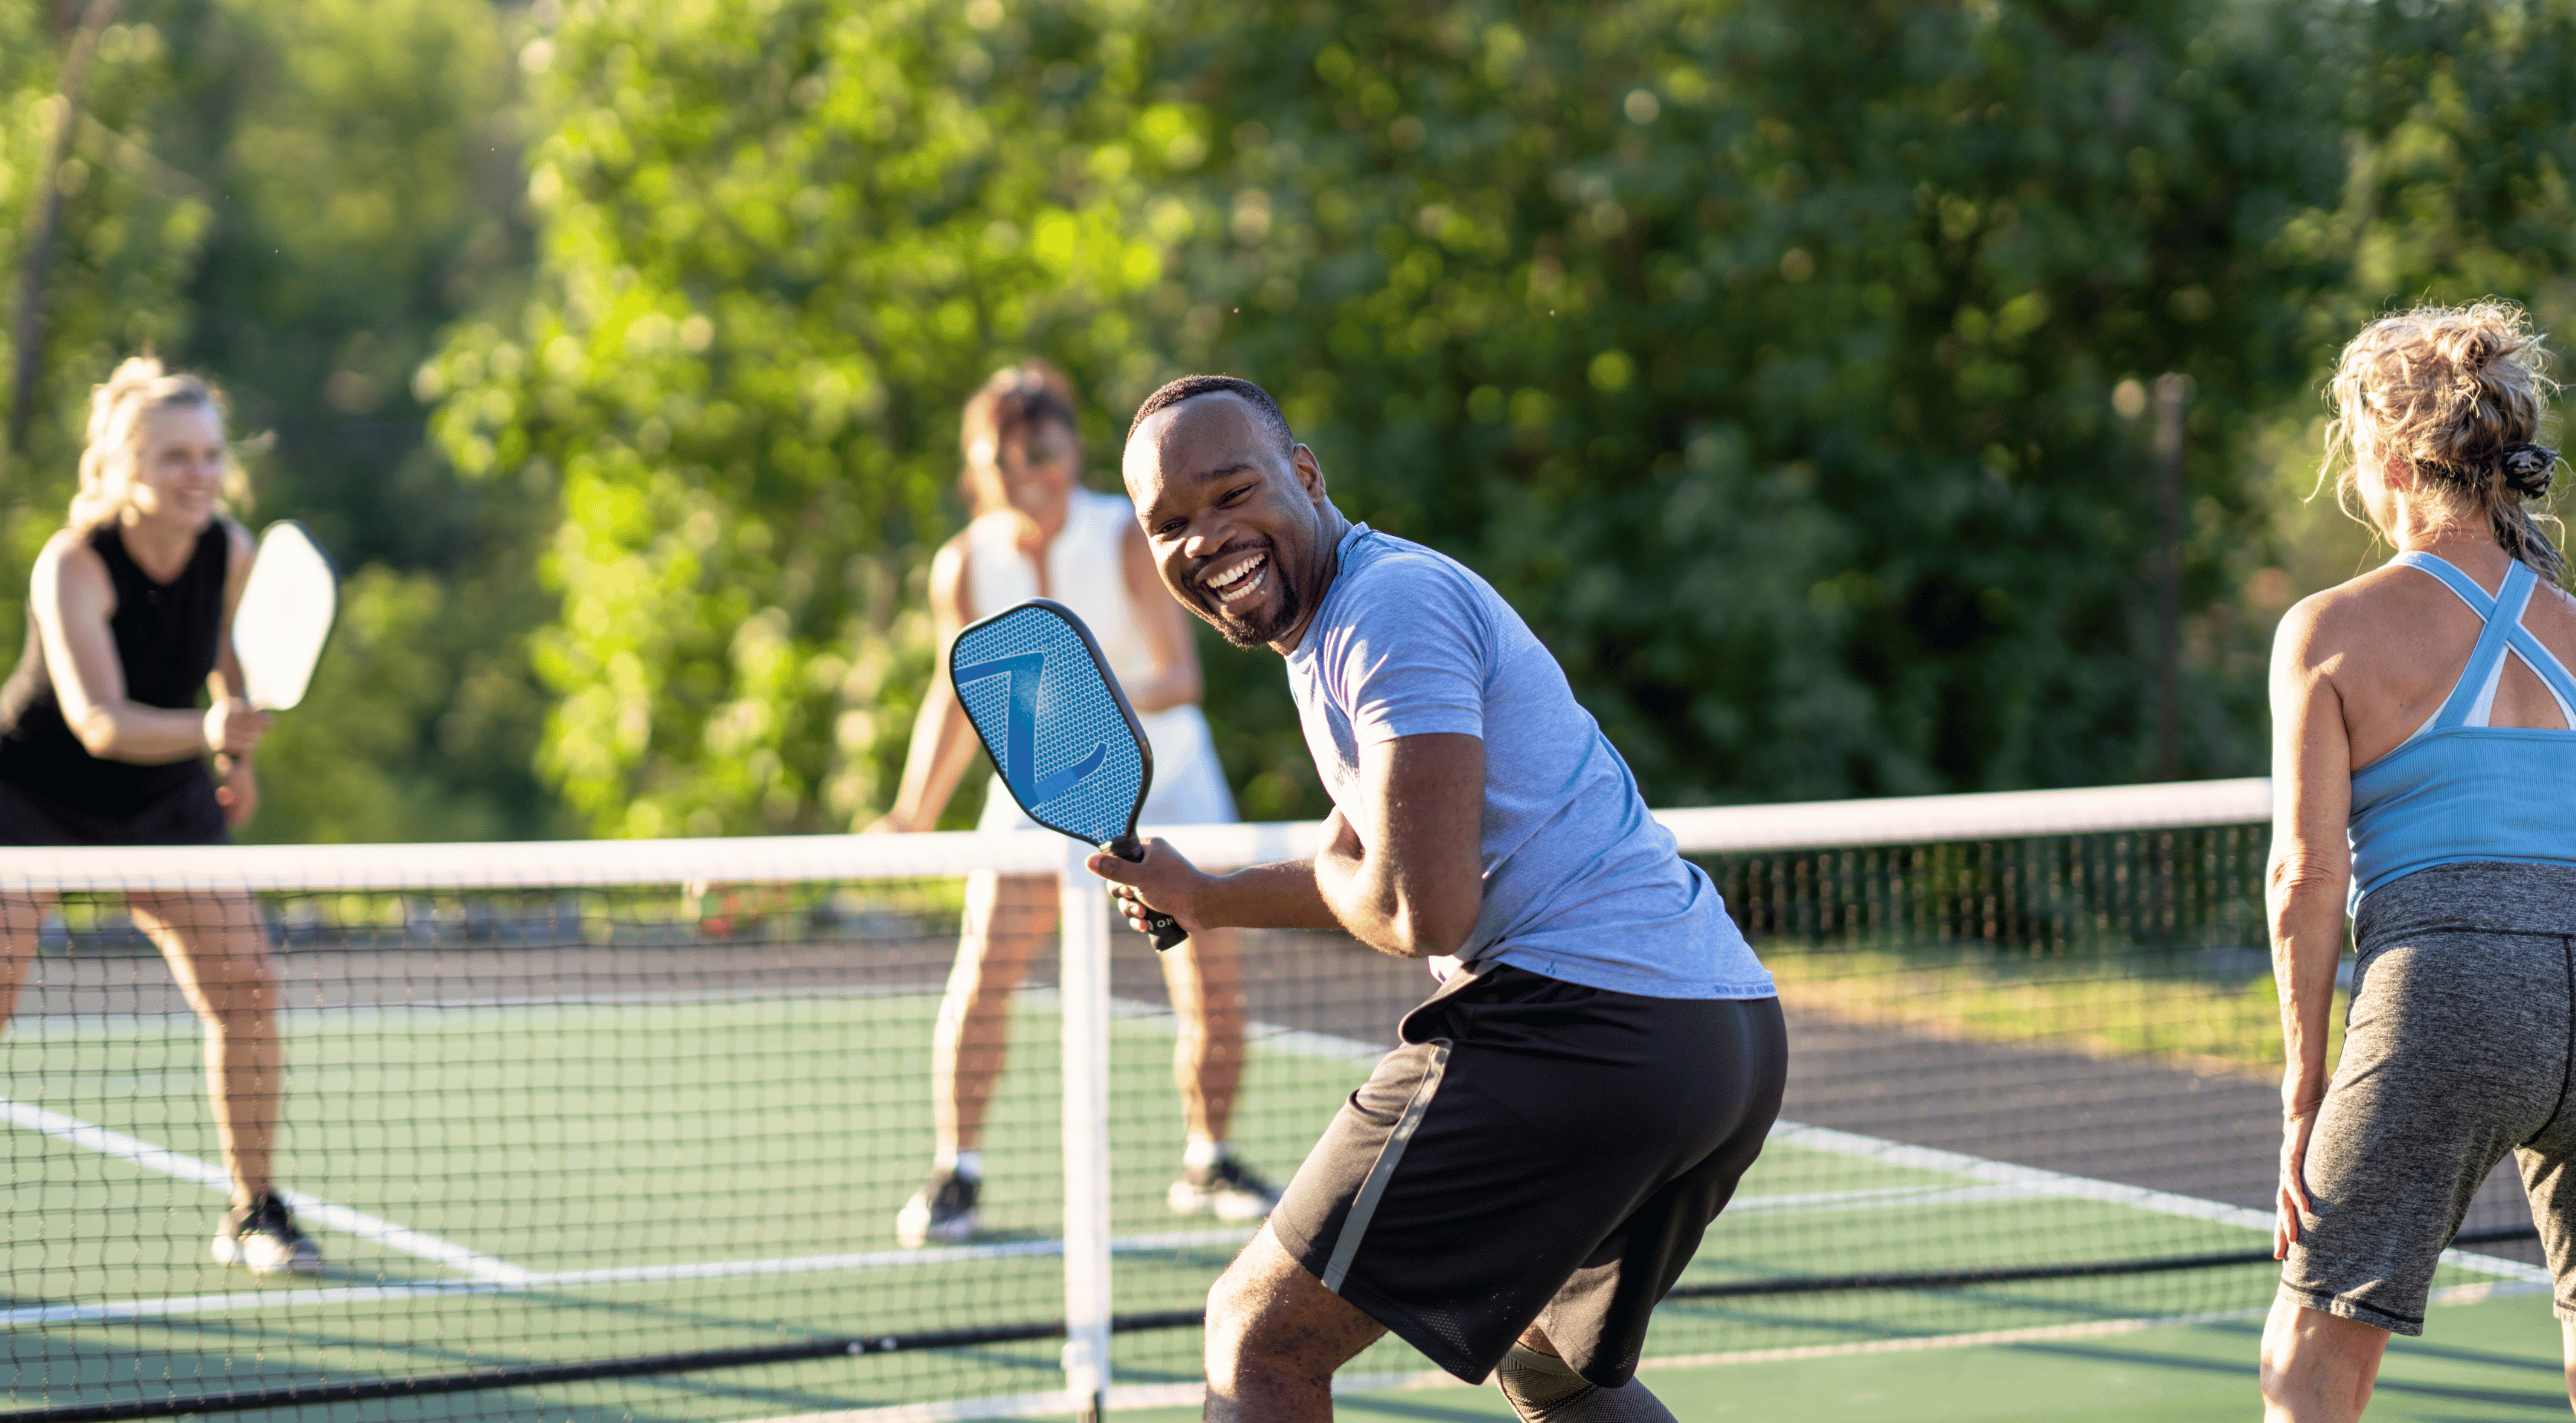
column 1536, row 1152
column 189, row 816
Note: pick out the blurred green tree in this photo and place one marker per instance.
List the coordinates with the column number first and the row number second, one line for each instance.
column 128, row 233
column 2458, row 119
column 1767, row 356
column 1787, row 366
column 368, row 154
column 780, row 243
column 297, row 198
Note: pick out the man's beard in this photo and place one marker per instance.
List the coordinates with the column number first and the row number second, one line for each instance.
column 1250, row 635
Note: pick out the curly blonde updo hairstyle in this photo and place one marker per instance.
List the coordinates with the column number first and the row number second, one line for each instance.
column 138, row 386
column 1014, row 401
column 2461, row 394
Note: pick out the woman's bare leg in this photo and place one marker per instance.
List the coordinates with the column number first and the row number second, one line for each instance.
column 1205, row 976
column 1008, row 919
column 218, row 949
column 22, row 919
column 2317, row 1367
column 2567, row 1333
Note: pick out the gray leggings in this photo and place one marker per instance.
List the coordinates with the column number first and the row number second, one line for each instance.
column 2459, row 1049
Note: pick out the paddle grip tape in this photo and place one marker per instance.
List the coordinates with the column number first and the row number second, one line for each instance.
column 1163, row 929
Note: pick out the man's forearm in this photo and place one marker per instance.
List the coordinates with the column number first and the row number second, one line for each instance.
column 1280, row 896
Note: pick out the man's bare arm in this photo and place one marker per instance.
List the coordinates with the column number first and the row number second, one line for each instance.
column 1416, row 893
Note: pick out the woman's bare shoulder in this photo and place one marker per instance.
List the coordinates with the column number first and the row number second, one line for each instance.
column 68, row 554
column 2332, row 618
column 2389, row 589
column 2387, row 612
column 69, row 578
column 948, row 577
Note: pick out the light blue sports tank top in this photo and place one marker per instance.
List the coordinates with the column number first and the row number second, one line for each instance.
column 2458, row 789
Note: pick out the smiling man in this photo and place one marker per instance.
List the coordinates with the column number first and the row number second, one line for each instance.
column 1525, row 1176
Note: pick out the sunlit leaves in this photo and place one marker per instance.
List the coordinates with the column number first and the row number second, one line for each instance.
column 779, row 247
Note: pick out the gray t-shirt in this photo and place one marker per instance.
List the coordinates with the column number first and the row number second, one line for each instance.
column 1581, row 884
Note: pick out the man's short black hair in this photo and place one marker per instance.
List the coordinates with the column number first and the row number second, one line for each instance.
column 1188, row 387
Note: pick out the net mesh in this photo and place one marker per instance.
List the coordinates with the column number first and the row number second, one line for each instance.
column 576, row 1143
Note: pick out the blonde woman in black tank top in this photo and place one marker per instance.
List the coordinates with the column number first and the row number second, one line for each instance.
column 102, row 743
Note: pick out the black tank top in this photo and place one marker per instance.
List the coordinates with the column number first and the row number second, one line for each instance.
column 167, row 636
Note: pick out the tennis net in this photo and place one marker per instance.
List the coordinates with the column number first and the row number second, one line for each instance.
column 621, row 1129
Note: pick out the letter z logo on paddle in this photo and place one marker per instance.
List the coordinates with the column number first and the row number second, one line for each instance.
column 1020, row 739
column 1057, row 698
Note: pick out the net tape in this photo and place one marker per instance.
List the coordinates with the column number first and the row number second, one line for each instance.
column 779, row 858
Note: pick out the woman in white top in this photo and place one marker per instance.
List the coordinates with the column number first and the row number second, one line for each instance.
column 1038, row 533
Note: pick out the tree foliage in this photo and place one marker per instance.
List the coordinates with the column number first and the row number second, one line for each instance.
column 780, row 243
column 1778, row 362
column 298, row 199
column 1763, row 355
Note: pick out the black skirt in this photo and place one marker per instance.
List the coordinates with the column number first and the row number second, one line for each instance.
column 188, row 815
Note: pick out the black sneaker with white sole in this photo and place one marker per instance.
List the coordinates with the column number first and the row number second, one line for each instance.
column 942, row 1210
column 262, row 1238
column 1227, row 1190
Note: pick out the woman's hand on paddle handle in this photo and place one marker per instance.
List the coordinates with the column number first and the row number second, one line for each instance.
column 239, row 793
column 1164, row 882
column 2291, row 1197
column 233, row 727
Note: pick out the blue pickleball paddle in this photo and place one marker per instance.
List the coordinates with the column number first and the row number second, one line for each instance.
column 1051, row 716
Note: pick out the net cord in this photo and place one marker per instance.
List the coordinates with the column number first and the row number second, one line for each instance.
column 1894, row 820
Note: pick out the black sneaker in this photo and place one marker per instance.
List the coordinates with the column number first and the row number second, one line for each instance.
column 1228, row 1190
column 942, row 1210
column 261, row 1237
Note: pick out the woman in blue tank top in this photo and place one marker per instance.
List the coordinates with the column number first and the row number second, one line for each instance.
column 2424, row 768
column 103, row 742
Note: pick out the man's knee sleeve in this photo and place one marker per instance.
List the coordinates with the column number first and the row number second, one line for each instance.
column 1544, row 1389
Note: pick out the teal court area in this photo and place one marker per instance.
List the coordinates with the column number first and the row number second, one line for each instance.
column 2495, row 1360
column 534, row 1183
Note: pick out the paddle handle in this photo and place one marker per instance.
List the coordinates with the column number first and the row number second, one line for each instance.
column 1163, row 929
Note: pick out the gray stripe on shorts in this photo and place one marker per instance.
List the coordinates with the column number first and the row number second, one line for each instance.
column 1364, row 1205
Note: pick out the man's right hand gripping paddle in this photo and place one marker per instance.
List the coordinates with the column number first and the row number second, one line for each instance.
column 1041, row 697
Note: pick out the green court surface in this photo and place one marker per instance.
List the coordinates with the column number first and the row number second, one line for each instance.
column 553, row 1183
column 2497, row 1360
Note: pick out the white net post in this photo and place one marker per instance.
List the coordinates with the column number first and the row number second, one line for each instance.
column 1084, row 913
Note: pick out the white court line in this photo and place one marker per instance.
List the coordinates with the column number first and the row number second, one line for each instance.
column 1191, row 1395
column 1828, row 1202
column 212, row 1177
column 2085, row 1188
column 2017, row 1181
column 961, row 1410
column 527, row 1281
column 436, row 1010
column 1999, row 1181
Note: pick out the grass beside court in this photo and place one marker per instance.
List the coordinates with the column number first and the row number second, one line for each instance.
column 2100, row 1004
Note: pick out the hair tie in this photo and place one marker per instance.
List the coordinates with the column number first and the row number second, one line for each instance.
column 2528, row 468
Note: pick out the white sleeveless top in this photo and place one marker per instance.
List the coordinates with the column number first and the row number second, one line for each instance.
column 1085, row 573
